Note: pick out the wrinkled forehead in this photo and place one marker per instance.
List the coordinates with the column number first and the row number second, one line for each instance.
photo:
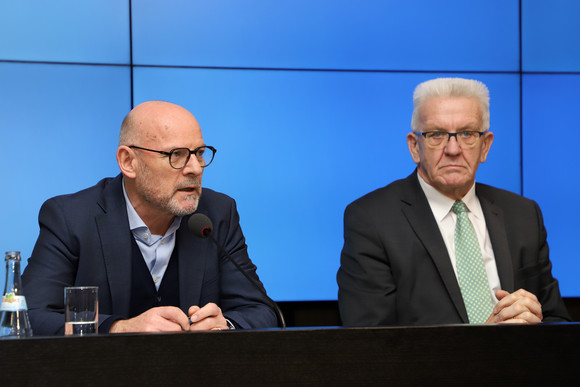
column 443, row 111
column 167, row 123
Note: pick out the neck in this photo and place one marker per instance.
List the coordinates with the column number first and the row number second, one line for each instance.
column 157, row 220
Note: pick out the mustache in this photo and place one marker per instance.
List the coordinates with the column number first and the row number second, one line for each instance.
column 190, row 182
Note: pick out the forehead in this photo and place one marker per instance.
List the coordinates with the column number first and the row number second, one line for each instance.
column 172, row 130
column 451, row 112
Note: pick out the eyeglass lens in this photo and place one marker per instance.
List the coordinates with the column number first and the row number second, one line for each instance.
column 467, row 138
column 180, row 156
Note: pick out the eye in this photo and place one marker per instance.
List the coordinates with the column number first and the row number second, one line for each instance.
column 179, row 153
column 436, row 135
column 467, row 135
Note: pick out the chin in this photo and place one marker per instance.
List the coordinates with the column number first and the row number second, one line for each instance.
column 184, row 207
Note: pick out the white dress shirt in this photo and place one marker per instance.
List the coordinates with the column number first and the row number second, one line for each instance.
column 446, row 219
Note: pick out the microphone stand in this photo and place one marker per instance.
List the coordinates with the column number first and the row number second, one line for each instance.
column 207, row 233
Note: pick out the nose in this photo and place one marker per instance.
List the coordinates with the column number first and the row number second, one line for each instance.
column 193, row 166
column 452, row 146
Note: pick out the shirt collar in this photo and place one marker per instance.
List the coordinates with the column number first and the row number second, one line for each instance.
column 441, row 204
column 135, row 221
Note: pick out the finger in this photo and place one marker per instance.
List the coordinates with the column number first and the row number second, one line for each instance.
column 208, row 324
column 506, row 299
column 500, row 294
column 209, row 310
column 173, row 314
column 532, row 305
column 523, row 308
column 161, row 319
column 527, row 317
column 529, row 301
column 523, row 318
column 192, row 310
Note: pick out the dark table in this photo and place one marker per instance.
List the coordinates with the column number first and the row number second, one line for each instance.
column 457, row 354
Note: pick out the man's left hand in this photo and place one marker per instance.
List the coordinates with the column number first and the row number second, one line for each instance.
column 207, row 318
column 519, row 307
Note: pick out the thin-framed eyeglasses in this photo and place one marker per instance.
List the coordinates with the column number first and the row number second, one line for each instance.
column 179, row 157
column 436, row 138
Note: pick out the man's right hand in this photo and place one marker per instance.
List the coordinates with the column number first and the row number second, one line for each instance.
column 160, row 319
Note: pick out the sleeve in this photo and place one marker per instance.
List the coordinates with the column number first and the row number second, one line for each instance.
column 54, row 265
column 51, row 267
column 241, row 302
column 366, row 286
column 540, row 280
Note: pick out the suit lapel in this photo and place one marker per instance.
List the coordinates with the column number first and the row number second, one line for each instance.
column 418, row 212
column 192, row 253
column 496, row 227
column 115, row 238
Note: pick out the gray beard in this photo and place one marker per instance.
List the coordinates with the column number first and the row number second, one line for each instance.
column 146, row 186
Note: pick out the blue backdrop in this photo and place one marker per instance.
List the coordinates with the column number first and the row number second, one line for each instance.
column 308, row 103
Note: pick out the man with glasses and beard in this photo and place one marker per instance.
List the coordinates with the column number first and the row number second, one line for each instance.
column 438, row 248
column 128, row 235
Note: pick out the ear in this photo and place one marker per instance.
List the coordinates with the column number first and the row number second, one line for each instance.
column 486, row 146
column 414, row 147
column 127, row 161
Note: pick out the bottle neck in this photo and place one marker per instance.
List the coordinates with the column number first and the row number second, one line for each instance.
column 13, row 279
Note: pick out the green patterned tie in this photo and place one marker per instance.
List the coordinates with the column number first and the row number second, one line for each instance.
column 470, row 268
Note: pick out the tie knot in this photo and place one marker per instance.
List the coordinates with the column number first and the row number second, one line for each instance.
column 459, row 207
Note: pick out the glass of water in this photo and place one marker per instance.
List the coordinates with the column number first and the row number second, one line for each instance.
column 81, row 310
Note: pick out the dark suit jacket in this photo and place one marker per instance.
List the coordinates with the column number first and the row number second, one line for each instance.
column 395, row 268
column 85, row 240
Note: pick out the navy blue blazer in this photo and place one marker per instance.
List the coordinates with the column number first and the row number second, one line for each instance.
column 85, row 240
column 395, row 268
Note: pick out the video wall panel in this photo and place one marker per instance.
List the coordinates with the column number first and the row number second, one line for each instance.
column 551, row 35
column 550, row 175
column 88, row 31
column 59, row 127
column 378, row 35
column 307, row 102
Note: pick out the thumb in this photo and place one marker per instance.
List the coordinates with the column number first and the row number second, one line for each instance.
column 501, row 294
column 192, row 310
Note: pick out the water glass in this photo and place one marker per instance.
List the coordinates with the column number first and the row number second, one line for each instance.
column 81, row 310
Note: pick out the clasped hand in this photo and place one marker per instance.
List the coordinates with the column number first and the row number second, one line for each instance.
column 172, row 319
column 519, row 307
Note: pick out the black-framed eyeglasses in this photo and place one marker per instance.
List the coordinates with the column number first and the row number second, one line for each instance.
column 436, row 138
column 179, row 157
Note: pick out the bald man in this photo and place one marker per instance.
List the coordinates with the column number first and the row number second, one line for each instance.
column 128, row 235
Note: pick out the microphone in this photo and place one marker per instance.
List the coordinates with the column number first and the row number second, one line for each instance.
column 201, row 226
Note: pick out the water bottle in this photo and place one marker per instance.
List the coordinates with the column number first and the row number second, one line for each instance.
column 14, row 320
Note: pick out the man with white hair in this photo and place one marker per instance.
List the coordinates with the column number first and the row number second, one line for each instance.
column 438, row 248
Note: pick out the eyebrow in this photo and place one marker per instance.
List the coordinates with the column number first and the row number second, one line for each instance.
column 464, row 128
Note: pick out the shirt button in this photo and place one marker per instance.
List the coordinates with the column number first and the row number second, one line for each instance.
column 146, row 236
column 155, row 279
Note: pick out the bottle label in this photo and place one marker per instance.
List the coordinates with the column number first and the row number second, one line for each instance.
column 12, row 303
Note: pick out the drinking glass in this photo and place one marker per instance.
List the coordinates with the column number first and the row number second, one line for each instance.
column 81, row 310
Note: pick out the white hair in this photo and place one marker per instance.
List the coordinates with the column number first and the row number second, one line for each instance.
column 451, row 87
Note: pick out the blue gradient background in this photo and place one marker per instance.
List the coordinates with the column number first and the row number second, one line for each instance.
column 307, row 102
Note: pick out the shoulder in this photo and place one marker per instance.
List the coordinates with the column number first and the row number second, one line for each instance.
column 210, row 198
column 82, row 200
column 216, row 204
column 503, row 198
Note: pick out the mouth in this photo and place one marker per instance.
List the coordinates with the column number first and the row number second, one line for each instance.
column 188, row 189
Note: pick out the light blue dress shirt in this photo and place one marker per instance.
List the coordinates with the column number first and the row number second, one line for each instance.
column 156, row 249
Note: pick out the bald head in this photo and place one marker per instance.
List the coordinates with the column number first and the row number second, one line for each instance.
column 153, row 121
column 156, row 189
